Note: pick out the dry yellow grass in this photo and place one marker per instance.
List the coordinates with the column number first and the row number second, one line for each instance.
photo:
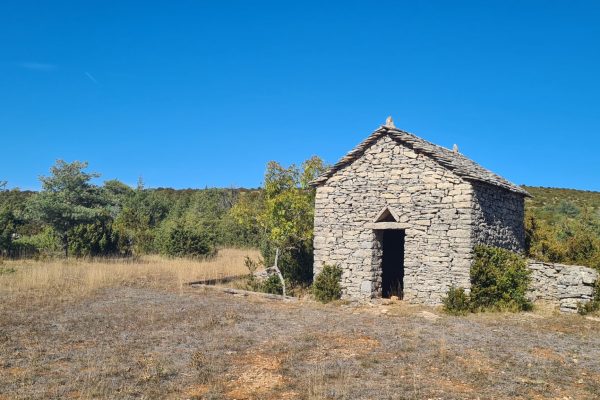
column 59, row 278
column 62, row 335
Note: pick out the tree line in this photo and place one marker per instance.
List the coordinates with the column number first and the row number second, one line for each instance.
column 72, row 216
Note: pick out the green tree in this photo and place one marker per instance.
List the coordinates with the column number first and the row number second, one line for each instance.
column 68, row 199
column 243, row 223
column 13, row 225
column 288, row 217
column 141, row 213
column 116, row 193
column 7, row 225
column 7, row 230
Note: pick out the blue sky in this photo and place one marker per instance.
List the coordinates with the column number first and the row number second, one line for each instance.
column 204, row 93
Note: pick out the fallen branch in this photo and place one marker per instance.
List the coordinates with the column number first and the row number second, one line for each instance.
column 214, row 281
column 244, row 293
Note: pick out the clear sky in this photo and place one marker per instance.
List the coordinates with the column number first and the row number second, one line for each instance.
column 204, row 93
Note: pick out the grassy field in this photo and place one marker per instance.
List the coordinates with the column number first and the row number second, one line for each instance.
column 30, row 280
column 137, row 331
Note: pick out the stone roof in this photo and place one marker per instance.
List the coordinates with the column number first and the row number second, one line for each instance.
column 454, row 161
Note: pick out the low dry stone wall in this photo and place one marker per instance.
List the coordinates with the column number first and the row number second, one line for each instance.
column 562, row 285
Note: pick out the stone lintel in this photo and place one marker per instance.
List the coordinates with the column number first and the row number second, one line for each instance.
column 387, row 225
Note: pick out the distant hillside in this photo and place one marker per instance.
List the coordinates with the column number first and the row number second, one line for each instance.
column 563, row 225
column 553, row 198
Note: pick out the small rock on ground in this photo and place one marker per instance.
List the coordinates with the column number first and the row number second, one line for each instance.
column 430, row 316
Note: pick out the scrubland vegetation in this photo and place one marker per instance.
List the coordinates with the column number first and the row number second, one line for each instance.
column 563, row 225
column 73, row 217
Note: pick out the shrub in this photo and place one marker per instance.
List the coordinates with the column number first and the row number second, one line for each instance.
column 272, row 285
column 326, row 286
column 24, row 248
column 95, row 239
column 178, row 239
column 594, row 304
column 251, row 281
column 499, row 280
column 457, row 302
column 45, row 243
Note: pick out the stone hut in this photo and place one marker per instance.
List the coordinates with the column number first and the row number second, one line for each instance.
column 401, row 216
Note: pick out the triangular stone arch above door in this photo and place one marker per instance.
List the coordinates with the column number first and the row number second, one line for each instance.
column 387, row 219
column 387, row 214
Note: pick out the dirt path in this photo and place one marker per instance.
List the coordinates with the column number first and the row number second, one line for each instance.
column 132, row 343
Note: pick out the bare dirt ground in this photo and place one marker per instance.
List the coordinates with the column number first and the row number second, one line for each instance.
column 139, row 341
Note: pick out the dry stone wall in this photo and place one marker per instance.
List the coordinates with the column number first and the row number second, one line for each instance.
column 561, row 285
column 498, row 216
column 434, row 204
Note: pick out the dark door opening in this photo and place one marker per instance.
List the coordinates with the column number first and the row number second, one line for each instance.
column 392, row 265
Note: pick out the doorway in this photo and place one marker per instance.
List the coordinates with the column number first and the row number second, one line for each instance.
column 392, row 264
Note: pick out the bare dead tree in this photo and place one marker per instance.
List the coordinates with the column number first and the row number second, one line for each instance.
column 276, row 268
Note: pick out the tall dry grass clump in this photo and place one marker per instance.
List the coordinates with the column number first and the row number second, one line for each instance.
column 73, row 277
